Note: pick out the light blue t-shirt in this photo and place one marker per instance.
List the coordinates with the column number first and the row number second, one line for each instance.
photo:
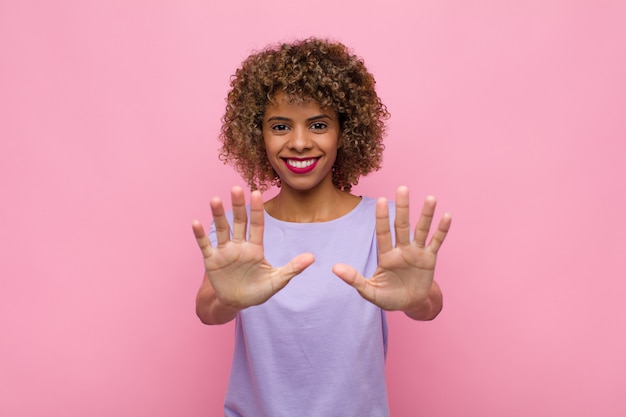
column 316, row 348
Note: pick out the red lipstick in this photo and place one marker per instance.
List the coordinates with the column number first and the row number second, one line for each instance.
column 300, row 165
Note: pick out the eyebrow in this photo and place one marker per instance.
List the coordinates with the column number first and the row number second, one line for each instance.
column 310, row 119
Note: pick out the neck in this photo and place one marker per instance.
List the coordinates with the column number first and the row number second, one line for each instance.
column 311, row 206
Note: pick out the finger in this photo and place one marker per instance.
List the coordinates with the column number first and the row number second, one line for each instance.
column 222, row 228
column 257, row 218
column 298, row 264
column 402, row 223
column 203, row 241
column 423, row 224
column 383, row 230
column 240, row 217
column 440, row 235
column 353, row 278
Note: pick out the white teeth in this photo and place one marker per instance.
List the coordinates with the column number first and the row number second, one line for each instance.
column 301, row 164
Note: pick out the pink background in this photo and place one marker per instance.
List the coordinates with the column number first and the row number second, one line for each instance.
column 511, row 112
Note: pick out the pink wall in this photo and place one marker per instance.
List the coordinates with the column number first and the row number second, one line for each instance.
column 512, row 113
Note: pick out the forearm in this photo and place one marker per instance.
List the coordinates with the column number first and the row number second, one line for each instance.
column 209, row 308
column 430, row 308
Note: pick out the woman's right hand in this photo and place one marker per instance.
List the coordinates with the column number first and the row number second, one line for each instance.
column 236, row 268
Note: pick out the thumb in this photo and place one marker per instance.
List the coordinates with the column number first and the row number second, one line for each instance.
column 297, row 264
column 280, row 277
column 354, row 278
column 349, row 275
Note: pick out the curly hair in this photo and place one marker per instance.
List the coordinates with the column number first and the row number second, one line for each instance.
column 312, row 69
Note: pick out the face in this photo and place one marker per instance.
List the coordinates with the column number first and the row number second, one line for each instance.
column 301, row 140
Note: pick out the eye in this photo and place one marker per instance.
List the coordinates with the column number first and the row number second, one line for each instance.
column 319, row 126
column 280, row 127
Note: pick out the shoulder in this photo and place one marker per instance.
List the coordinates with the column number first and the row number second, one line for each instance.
column 369, row 204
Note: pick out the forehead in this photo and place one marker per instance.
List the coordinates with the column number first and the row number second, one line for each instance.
column 282, row 102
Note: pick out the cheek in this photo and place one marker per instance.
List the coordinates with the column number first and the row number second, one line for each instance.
column 267, row 146
column 269, row 149
column 270, row 154
column 340, row 141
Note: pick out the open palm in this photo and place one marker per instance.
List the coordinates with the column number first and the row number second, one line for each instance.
column 405, row 273
column 236, row 267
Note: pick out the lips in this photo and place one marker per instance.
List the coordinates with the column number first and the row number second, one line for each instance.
column 300, row 165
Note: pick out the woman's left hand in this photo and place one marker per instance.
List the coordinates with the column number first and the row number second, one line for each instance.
column 404, row 279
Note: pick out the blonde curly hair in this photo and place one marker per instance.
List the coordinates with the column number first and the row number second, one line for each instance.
column 312, row 69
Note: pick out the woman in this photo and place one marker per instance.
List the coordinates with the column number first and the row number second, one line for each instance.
column 305, row 117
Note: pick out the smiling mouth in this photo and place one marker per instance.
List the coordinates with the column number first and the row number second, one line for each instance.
column 300, row 166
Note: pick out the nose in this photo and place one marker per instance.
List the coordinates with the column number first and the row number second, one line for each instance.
column 300, row 139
